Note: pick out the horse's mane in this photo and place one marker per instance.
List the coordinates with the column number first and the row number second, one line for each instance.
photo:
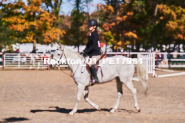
column 72, row 52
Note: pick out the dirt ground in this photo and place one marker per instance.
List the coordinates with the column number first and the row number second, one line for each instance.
column 48, row 96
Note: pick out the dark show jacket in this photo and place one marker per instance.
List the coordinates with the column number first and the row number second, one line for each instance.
column 92, row 47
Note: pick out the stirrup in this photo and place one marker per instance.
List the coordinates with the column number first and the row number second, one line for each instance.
column 92, row 82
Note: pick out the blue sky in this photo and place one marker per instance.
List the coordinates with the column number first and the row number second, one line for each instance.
column 67, row 7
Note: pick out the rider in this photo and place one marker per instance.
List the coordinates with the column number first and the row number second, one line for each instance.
column 93, row 47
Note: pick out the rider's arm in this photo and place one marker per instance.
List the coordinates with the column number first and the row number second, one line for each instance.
column 94, row 43
column 86, row 47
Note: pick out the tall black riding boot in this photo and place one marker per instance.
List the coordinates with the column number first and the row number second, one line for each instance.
column 93, row 71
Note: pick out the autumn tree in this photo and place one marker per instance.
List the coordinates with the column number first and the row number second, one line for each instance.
column 142, row 23
column 117, row 24
column 5, row 33
column 77, row 29
column 31, row 22
column 173, row 18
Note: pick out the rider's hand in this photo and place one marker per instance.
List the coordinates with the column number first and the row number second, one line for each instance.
column 84, row 55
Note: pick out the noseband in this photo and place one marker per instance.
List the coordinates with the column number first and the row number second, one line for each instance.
column 61, row 54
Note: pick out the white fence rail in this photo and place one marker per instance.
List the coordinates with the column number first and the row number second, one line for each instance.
column 150, row 61
column 24, row 61
column 170, row 60
column 1, row 60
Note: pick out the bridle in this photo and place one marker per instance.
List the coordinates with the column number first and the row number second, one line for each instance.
column 62, row 53
column 71, row 74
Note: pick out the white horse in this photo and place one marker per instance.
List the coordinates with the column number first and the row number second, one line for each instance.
column 122, row 72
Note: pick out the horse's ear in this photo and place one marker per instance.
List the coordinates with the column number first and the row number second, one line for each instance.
column 58, row 47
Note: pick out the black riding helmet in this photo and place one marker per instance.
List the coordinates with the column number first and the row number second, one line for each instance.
column 93, row 22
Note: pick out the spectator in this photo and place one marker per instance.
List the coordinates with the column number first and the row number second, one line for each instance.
column 45, row 56
column 165, row 60
column 51, row 57
column 17, row 51
column 175, row 54
column 156, row 57
column 34, row 50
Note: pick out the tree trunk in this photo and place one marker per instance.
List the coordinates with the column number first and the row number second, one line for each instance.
column 87, row 3
column 174, row 46
column 154, row 30
column 137, row 46
column 132, row 44
column 34, row 45
column 179, row 42
column 77, row 31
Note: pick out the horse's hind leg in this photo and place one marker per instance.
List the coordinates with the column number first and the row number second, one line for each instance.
column 120, row 93
column 86, row 92
column 130, row 86
column 78, row 97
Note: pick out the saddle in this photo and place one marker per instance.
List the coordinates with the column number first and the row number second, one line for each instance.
column 97, row 63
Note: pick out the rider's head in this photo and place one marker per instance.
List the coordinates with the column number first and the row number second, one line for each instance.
column 92, row 24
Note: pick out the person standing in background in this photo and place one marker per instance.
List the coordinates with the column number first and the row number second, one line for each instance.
column 165, row 58
column 175, row 54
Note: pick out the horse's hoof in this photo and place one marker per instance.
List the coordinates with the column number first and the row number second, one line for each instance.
column 112, row 111
column 71, row 113
column 98, row 108
column 139, row 110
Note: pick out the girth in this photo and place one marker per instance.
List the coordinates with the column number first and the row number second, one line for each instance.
column 97, row 63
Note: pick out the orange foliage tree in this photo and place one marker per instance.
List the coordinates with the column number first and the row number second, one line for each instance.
column 173, row 18
column 111, row 23
column 142, row 23
column 31, row 22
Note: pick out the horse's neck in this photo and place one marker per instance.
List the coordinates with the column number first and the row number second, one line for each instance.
column 72, row 55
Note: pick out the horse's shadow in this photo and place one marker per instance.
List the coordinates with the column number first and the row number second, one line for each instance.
column 66, row 111
column 14, row 119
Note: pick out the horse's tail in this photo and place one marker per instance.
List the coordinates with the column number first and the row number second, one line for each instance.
column 143, row 76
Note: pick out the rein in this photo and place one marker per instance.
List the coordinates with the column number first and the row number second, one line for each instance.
column 71, row 74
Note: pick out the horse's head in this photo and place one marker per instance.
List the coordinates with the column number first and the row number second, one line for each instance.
column 58, row 54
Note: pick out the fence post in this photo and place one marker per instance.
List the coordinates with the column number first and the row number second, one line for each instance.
column 33, row 62
column 153, row 57
column 3, row 60
column 38, row 65
column 169, row 61
column 19, row 60
column 147, row 65
column 138, row 56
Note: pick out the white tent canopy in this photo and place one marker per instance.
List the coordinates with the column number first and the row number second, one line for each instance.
column 28, row 47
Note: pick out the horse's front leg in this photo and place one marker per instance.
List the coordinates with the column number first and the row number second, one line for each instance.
column 78, row 97
column 120, row 93
column 86, row 92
